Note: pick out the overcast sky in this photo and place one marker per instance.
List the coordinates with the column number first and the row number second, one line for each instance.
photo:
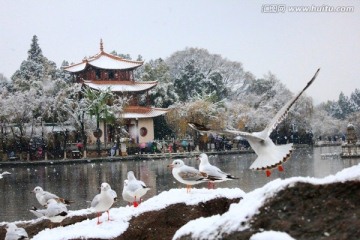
column 291, row 45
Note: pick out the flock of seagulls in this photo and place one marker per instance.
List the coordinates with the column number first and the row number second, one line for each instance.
column 55, row 207
column 269, row 156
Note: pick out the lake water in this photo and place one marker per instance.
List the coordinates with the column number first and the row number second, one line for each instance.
column 80, row 182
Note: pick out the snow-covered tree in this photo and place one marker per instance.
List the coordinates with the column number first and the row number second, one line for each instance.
column 36, row 69
column 5, row 84
column 194, row 71
column 355, row 100
column 164, row 94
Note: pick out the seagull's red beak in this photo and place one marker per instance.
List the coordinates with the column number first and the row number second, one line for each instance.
column 171, row 165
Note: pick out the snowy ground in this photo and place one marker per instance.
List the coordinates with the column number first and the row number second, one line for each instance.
column 206, row 228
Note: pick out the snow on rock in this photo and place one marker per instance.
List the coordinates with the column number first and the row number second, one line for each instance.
column 121, row 216
column 266, row 235
column 236, row 219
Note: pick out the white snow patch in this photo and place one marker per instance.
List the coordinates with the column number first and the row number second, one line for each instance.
column 120, row 216
column 266, row 235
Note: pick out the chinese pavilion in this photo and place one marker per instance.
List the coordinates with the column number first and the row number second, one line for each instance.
column 103, row 71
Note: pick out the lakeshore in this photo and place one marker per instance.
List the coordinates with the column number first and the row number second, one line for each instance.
column 138, row 157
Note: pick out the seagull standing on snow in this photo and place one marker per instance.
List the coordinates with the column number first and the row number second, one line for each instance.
column 103, row 201
column 15, row 233
column 186, row 174
column 269, row 155
column 213, row 173
column 125, row 194
column 55, row 211
column 134, row 188
column 4, row 173
column 44, row 196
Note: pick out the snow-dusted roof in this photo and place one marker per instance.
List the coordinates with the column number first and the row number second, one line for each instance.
column 132, row 112
column 104, row 60
column 120, row 86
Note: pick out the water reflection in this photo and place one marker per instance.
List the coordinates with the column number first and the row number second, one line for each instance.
column 80, row 182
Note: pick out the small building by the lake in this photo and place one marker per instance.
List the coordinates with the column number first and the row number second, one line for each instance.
column 105, row 70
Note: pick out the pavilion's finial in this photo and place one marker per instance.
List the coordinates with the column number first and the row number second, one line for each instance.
column 101, row 45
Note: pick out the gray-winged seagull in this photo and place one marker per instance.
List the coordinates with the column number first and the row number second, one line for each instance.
column 43, row 196
column 214, row 173
column 186, row 174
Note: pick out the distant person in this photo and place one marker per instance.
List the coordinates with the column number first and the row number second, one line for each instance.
column 80, row 146
column 113, row 150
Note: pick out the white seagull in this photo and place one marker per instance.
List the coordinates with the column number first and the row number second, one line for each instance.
column 214, row 173
column 15, row 233
column 4, row 173
column 103, row 201
column 135, row 188
column 186, row 174
column 269, row 155
column 43, row 196
column 125, row 195
column 55, row 211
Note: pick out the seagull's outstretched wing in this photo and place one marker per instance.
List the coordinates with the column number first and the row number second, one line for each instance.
column 245, row 135
column 200, row 128
column 283, row 112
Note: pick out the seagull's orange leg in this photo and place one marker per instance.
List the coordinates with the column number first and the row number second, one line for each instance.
column 268, row 172
column 280, row 168
column 98, row 215
column 135, row 203
column 188, row 188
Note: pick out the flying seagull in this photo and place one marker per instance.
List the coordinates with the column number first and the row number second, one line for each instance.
column 269, row 155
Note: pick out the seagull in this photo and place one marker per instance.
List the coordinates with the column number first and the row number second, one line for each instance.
column 212, row 171
column 15, row 233
column 4, row 173
column 135, row 188
column 186, row 174
column 269, row 155
column 126, row 196
column 55, row 211
column 43, row 196
column 103, row 201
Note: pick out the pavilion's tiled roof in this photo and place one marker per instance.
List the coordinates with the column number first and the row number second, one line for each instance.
column 120, row 86
column 132, row 112
column 104, row 60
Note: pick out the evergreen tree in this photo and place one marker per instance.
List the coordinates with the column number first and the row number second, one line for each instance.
column 355, row 99
column 35, row 52
column 36, row 70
